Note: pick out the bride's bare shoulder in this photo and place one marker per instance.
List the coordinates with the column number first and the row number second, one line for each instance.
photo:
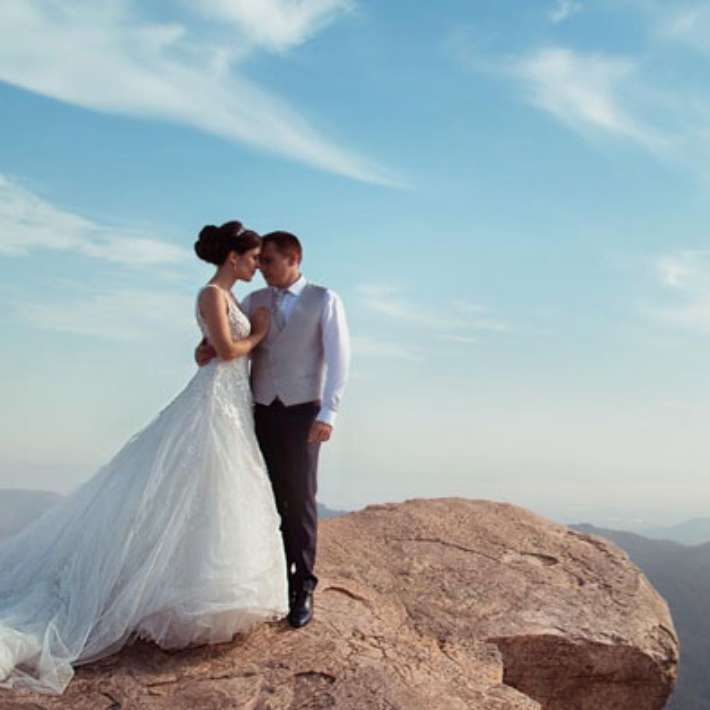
column 211, row 297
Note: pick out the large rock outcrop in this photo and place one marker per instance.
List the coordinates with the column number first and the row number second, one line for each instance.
column 434, row 604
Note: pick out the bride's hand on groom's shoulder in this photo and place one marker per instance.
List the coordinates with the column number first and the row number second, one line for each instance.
column 260, row 319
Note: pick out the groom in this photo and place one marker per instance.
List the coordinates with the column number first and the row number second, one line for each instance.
column 298, row 375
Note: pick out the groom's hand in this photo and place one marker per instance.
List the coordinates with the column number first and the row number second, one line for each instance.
column 320, row 431
column 204, row 352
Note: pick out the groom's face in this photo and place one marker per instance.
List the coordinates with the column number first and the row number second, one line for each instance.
column 277, row 268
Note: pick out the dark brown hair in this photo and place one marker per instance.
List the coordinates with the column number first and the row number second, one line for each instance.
column 214, row 243
column 286, row 243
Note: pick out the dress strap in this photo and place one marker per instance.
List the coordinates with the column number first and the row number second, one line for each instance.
column 231, row 301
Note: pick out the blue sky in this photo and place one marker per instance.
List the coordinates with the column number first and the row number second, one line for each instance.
column 511, row 198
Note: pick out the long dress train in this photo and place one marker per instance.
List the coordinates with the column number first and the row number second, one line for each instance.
column 175, row 540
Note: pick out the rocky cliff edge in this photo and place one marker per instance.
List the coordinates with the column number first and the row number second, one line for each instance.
column 435, row 604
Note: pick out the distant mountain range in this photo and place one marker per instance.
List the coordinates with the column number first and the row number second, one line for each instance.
column 681, row 574
column 691, row 532
column 325, row 512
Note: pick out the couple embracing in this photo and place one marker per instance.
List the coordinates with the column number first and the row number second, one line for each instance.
column 204, row 524
column 298, row 372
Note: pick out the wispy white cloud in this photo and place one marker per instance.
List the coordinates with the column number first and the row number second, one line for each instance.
column 461, row 317
column 366, row 346
column 564, row 9
column 106, row 57
column 468, row 307
column 29, row 223
column 453, row 324
column 646, row 97
column 388, row 301
column 461, row 339
column 685, row 276
column 686, row 270
column 684, row 23
column 275, row 24
column 586, row 92
column 478, row 317
column 688, row 24
column 116, row 314
column 385, row 300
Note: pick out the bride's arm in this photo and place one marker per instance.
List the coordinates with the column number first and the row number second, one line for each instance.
column 214, row 308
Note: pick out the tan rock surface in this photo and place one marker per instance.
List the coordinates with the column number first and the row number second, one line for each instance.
column 433, row 604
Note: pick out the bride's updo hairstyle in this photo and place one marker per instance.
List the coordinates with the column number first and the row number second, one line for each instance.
column 214, row 243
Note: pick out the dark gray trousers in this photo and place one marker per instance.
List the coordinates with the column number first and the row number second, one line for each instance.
column 292, row 464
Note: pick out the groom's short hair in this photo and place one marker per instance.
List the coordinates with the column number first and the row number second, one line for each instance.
column 285, row 242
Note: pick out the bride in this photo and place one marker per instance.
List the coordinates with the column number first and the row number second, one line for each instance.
column 177, row 538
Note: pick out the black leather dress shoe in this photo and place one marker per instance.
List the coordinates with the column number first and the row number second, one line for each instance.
column 301, row 609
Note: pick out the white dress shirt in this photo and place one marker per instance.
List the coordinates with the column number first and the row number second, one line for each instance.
column 336, row 345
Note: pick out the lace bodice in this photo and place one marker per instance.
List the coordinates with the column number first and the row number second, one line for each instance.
column 226, row 381
column 239, row 324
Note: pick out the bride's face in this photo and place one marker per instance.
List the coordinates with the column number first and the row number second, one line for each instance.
column 246, row 264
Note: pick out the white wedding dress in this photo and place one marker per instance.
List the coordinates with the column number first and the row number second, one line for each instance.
column 175, row 540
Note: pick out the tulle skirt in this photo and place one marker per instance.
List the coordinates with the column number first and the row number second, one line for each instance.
column 175, row 540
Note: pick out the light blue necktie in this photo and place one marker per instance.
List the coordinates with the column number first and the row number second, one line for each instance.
column 277, row 300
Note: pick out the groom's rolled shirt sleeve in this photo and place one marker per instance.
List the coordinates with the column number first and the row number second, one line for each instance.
column 336, row 352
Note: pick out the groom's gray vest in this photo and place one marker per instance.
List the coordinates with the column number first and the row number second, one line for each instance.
column 289, row 363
